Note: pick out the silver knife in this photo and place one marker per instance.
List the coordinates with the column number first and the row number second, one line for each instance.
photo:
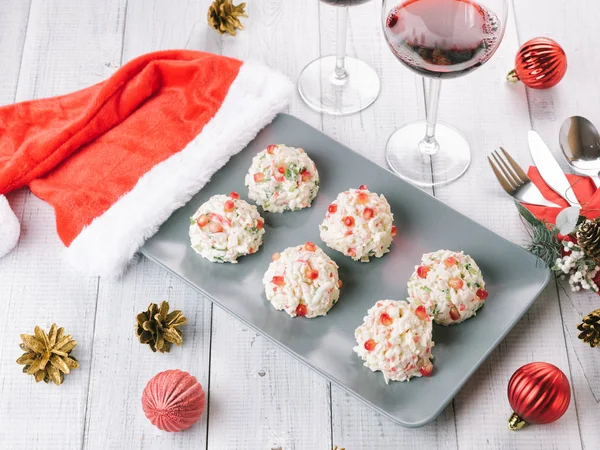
column 549, row 169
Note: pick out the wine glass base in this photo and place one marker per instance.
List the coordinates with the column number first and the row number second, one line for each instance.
column 323, row 92
column 406, row 159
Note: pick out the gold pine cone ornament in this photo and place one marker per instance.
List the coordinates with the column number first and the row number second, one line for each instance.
column 159, row 328
column 588, row 238
column 48, row 355
column 590, row 329
column 224, row 16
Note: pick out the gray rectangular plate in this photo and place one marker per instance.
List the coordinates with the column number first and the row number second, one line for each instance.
column 513, row 276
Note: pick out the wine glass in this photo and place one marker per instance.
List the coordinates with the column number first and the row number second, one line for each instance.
column 339, row 84
column 438, row 39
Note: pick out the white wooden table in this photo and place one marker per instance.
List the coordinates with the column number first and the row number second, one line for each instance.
column 259, row 397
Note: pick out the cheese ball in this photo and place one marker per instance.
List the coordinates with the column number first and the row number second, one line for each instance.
column 225, row 228
column 359, row 224
column 303, row 281
column 395, row 338
column 450, row 286
column 282, row 178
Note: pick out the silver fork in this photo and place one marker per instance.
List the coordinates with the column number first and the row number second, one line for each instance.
column 515, row 181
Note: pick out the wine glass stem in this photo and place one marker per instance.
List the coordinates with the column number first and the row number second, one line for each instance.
column 340, row 51
column 429, row 144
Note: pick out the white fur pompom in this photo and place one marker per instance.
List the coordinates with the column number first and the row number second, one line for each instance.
column 9, row 227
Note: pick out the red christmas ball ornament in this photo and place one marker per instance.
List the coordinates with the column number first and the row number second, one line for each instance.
column 173, row 400
column 538, row 393
column 540, row 64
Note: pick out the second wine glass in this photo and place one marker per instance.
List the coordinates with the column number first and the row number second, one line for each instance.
column 438, row 39
column 339, row 84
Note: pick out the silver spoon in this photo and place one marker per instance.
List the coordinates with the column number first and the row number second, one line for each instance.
column 580, row 144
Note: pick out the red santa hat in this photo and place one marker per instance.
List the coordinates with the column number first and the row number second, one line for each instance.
column 117, row 158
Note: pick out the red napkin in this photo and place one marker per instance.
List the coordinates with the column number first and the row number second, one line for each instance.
column 585, row 190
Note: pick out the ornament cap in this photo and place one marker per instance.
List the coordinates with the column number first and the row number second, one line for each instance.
column 512, row 76
column 515, row 423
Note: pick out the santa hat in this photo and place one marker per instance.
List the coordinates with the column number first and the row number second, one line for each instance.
column 117, row 158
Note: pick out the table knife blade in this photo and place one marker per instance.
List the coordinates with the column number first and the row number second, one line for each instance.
column 549, row 168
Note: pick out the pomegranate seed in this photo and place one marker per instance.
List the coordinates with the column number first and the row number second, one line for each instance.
column 362, row 198
column 427, row 369
column 340, row 284
column 279, row 178
column 275, row 256
column 278, row 280
column 454, row 314
column 370, row 345
column 348, row 221
column 332, row 208
column 202, row 220
column 215, row 227
column 385, row 319
column 348, row 233
column 422, row 271
column 449, row 262
column 234, row 195
column 352, row 252
column 421, row 312
column 462, row 307
column 220, row 219
column 228, row 206
column 456, row 283
column 313, row 274
column 281, row 169
column 258, row 177
column 301, row 310
column 368, row 213
column 271, row 149
column 394, row 230
column 309, row 246
column 259, row 224
column 482, row 294
column 305, row 174
column 363, row 187
column 250, row 251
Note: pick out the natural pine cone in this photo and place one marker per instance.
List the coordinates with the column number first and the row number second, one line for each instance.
column 158, row 328
column 588, row 238
column 590, row 328
column 48, row 356
column 223, row 16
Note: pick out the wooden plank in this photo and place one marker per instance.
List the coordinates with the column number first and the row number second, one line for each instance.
column 576, row 94
column 158, row 25
column 283, row 35
column 277, row 402
column 401, row 101
column 401, row 97
column 357, row 426
column 494, row 113
column 14, row 16
column 121, row 365
column 261, row 397
column 61, row 51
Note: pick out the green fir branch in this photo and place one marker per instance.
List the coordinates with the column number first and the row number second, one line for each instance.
column 544, row 237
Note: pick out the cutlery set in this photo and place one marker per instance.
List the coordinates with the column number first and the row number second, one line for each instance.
column 580, row 144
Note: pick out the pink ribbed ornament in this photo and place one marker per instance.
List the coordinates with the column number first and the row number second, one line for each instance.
column 173, row 400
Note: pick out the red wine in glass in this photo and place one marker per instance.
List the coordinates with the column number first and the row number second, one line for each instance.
column 442, row 38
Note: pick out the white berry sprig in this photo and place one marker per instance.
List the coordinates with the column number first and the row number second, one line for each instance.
column 578, row 267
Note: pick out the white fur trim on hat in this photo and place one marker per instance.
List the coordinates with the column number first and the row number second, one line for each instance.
column 109, row 243
column 9, row 227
